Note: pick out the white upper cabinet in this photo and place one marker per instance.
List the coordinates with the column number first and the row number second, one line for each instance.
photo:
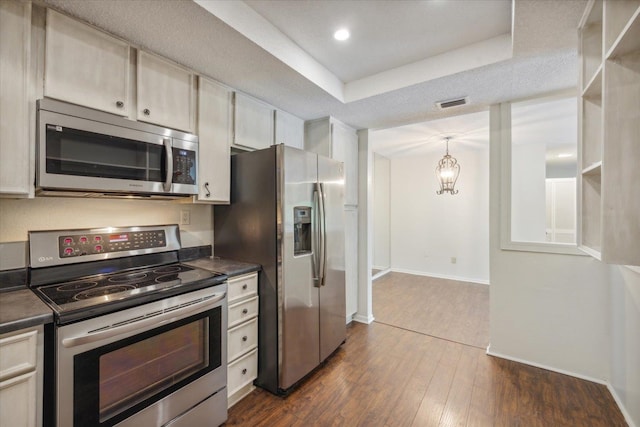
column 289, row 130
column 332, row 138
column 15, row 145
column 165, row 93
column 85, row 66
column 214, row 136
column 253, row 122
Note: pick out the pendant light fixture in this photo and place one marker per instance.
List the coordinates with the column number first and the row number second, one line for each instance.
column 447, row 172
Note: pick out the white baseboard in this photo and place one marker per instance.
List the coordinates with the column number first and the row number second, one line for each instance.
column 612, row 390
column 380, row 274
column 440, row 276
column 546, row 367
column 623, row 409
column 363, row 318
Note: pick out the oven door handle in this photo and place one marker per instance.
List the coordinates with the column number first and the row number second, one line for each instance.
column 139, row 323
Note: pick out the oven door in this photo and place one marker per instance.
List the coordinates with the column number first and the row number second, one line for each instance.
column 146, row 365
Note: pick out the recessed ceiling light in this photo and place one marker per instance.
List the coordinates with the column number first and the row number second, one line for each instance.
column 341, row 34
column 564, row 155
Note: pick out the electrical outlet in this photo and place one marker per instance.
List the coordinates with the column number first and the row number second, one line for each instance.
column 185, row 217
column 454, row 260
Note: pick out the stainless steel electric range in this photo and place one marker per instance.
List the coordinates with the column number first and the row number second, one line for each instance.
column 139, row 338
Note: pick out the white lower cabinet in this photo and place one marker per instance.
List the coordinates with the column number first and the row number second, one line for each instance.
column 240, row 374
column 242, row 336
column 21, row 378
column 18, row 401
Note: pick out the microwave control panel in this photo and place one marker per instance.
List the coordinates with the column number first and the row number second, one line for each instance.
column 184, row 166
column 74, row 245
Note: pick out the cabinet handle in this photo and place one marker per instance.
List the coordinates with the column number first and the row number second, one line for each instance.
column 244, row 338
column 244, row 371
column 146, row 112
column 119, row 104
column 245, row 311
column 244, row 287
column 206, row 187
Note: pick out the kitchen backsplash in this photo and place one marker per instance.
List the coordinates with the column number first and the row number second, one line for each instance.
column 18, row 217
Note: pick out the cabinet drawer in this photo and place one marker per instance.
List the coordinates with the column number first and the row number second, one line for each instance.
column 242, row 311
column 242, row 287
column 242, row 372
column 18, row 354
column 18, row 401
column 242, row 339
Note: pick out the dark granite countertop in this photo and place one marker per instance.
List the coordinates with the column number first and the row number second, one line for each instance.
column 226, row 266
column 21, row 309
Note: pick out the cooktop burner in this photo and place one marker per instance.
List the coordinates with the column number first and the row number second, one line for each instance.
column 89, row 292
column 102, row 291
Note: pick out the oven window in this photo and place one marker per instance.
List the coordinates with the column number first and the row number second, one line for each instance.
column 135, row 372
column 116, row 380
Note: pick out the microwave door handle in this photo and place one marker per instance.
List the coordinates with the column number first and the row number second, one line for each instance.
column 169, row 166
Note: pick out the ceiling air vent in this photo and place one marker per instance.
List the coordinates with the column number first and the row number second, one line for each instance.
column 452, row 103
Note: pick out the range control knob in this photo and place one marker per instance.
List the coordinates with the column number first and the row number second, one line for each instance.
column 68, row 241
column 98, row 248
column 84, row 240
column 68, row 251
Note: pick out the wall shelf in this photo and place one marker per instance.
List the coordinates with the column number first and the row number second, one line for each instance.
column 627, row 40
column 610, row 131
column 593, row 169
column 593, row 89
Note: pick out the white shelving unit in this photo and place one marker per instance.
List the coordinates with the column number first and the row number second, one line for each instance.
column 610, row 130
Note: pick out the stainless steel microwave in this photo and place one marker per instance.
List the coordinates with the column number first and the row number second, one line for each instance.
column 84, row 152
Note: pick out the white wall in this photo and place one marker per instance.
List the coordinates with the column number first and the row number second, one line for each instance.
column 17, row 217
column 428, row 230
column 528, row 216
column 381, row 212
column 546, row 309
column 625, row 339
column 568, row 313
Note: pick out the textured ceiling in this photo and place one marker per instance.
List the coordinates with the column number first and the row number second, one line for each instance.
column 384, row 34
column 550, row 121
column 544, row 60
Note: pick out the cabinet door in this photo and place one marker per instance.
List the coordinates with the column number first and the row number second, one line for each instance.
column 214, row 136
column 15, row 41
column 345, row 148
column 18, row 401
column 165, row 93
column 253, row 123
column 289, row 130
column 85, row 66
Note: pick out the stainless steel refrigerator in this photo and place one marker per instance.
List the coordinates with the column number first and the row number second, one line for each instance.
column 286, row 213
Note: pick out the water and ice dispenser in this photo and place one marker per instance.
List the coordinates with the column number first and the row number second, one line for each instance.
column 301, row 230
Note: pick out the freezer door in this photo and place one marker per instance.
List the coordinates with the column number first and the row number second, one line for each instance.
column 297, row 292
column 332, row 290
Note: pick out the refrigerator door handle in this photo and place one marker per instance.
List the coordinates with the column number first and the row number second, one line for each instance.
column 315, row 259
column 323, row 237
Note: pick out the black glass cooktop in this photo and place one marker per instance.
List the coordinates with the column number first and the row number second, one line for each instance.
column 91, row 291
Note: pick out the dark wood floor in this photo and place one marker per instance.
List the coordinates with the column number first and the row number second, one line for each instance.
column 386, row 375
